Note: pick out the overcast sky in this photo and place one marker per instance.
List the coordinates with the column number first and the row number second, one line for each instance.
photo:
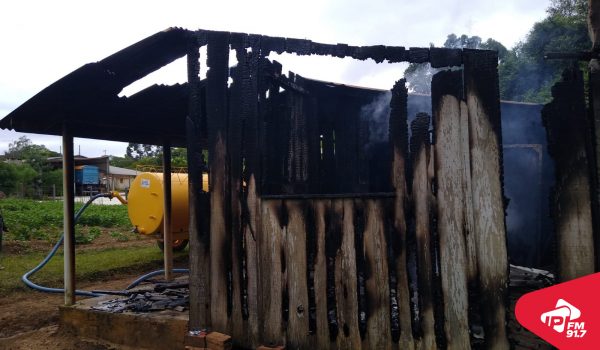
column 42, row 41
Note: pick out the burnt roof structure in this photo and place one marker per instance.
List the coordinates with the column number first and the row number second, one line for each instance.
column 87, row 99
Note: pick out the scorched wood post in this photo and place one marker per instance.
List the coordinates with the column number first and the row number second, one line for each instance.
column 199, row 237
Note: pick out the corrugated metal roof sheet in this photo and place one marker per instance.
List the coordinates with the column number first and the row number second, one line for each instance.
column 88, row 98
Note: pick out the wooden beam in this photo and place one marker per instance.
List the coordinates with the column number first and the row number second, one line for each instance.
column 68, row 215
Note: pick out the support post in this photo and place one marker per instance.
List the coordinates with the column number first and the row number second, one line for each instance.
column 68, row 216
column 167, row 233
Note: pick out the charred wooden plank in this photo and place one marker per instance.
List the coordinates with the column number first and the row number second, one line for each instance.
column 333, row 240
column 594, row 98
column 396, row 54
column 377, row 287
column 250, row 202
column 320, row 275
column 234, row 145
column 418, row 55
column 422, row 202
column 445, row 57
column 345, row 278
column 220, row 230
column 399, row 142
column 470, row 232
column 297, row 282
column 272, row 269
column 298, row 46
column 199, row 235
column 567, row 125
column 269, row 44
column 483, row 102
column 446, row 93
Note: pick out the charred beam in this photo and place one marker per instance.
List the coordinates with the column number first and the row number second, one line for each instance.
column 485, row 140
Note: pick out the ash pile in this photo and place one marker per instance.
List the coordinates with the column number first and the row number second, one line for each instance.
column 159, row 297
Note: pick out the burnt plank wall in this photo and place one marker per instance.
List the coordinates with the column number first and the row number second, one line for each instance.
column 569, row 144
column 307, row 269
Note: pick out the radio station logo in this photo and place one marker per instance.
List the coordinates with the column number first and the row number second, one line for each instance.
column 563, row 317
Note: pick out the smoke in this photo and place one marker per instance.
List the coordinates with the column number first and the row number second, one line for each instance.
column 376, row 116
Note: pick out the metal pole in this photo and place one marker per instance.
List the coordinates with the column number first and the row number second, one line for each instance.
column 167, row 234
column 68, row 216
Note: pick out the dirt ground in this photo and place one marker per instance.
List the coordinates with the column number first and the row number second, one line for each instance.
column 29, row 320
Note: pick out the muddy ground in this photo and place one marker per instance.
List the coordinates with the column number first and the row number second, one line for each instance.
column 29, row 320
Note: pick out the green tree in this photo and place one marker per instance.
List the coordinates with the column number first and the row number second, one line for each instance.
column 418, row 75
column 8, row 178
column 524, row 74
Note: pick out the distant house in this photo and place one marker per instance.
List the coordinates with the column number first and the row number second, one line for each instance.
column 119, row 179
column 111, row 178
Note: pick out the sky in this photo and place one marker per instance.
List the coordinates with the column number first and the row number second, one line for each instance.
column 42, row 41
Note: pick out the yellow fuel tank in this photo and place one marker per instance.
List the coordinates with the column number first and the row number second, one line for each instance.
column 145, row 203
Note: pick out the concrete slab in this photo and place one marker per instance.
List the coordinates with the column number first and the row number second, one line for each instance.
column 153, row 330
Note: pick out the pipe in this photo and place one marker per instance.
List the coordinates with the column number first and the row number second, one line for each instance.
column 95, row 293
column 27, row 275
column 152, row 274
column 117, row 195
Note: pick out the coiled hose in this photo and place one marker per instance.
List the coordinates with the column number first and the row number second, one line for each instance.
column 96, row 293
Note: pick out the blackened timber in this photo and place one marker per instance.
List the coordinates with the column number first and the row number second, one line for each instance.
column 398, row 137
column 418, row 55
column 594, row 98
column 333, row 238
column 320, row 274
column 220, row 229
column 566, row 125
column 297, row 281
column 345, row 278
column 421, row 194
column 446, row 96
column 238, row 300
column 199, row 236
column 377, row 286
column 378, row 53
column 251, row 223
column 445, row 57
column 485, row 139
column 272, row 269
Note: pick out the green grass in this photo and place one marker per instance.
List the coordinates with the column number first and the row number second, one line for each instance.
column 91, row 265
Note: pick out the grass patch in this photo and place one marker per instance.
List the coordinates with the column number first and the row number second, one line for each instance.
column 91, row 264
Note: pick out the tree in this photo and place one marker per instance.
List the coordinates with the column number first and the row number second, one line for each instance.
column 138, row 151
column 418, row 75
column 524, row 74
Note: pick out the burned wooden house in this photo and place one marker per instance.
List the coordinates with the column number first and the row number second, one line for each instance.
column 328, row 224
